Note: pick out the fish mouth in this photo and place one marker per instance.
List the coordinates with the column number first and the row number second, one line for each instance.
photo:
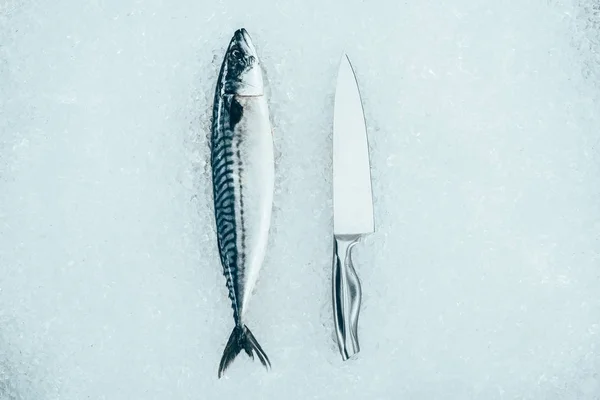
column 244, row 34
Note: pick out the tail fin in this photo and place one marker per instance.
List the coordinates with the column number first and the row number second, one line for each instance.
column 242, row 338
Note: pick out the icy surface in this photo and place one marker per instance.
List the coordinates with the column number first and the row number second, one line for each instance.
column 482, row 280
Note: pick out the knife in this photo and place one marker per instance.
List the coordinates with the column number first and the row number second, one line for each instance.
column 352, row 205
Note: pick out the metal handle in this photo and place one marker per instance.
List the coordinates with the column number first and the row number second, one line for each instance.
column 346, row 295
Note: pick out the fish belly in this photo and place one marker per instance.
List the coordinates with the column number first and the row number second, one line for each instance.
column 254, row 183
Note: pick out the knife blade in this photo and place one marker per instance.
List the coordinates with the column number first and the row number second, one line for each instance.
column 352, row 205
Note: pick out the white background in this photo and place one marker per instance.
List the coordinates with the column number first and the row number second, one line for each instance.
column 481, row 281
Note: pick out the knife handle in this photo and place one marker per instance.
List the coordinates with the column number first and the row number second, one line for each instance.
column 347, row 295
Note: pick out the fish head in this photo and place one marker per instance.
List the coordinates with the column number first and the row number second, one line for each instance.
column 241, row 72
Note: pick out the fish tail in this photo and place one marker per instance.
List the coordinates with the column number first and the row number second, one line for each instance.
column 242, row 339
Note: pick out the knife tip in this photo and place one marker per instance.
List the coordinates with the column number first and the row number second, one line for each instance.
column 345, row 59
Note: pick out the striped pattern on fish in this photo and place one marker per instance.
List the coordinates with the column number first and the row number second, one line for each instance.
column 242, row 173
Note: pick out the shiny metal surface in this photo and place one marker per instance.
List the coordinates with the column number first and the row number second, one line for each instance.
column 347, row 295
column 352, row 196
column 352, row 206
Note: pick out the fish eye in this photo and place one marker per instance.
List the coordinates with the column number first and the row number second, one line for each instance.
column 236, row 53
